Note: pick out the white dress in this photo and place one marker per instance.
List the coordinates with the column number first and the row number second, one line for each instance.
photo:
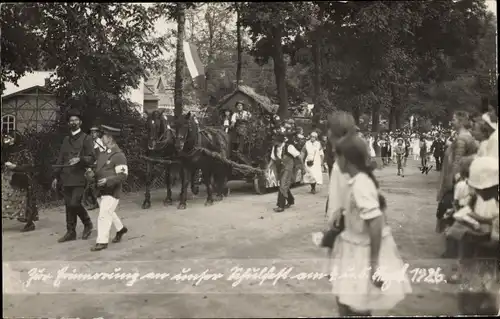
column 394, row 143
column 370, row 147
column 337, row 191
column 351, row 281
column 314, row 173
column 428, row 143
column 416, row 148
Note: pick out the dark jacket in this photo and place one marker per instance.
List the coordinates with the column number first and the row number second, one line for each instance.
column 437, row 148
column 329, row 155
column 112, row 165
column 79, row 145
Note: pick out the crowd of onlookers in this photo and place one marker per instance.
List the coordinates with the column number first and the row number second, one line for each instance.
column 466, row 155
column 468, row 211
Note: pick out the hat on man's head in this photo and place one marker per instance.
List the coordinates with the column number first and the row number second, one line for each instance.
column 74, row 112
column 109, row 130
column 95, row 128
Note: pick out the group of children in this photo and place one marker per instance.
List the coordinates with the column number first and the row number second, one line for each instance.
column 428, row 148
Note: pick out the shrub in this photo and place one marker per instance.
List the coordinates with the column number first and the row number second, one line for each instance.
column 44, row 145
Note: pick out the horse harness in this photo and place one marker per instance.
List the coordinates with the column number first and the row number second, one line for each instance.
column 197, row 146
column 163, row 140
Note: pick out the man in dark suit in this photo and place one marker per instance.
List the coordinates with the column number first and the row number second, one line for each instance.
column 437, row 150
column 75, row 156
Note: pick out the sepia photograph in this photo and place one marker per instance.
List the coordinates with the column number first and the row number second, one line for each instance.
column 250, row 159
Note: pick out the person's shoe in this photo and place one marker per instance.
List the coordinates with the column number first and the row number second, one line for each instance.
column 87, row 231
column 279, row 209
column 119, row 235
column 289, row 205
column 28, row 227
column 99, row 247
column 69, row 236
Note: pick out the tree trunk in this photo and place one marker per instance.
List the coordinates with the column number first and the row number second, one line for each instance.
column 179, row 62
column 238, row 45
column 392, row 110
column 209, row 18
column 316, row 53
column 395, row 101
column 398, row 117
column 376, row 117
column 280, row 72
column 356, row 114
column 397, row 106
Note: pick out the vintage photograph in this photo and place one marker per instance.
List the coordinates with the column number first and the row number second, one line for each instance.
column 250, row 159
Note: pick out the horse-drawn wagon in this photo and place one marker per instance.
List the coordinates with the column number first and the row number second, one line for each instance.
column 258, row 137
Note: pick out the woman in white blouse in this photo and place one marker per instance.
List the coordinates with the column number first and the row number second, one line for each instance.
column 313, row 158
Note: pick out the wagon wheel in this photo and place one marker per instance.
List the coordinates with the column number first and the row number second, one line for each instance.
column 259, row 184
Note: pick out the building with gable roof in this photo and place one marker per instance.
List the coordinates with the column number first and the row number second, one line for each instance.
column 29, row 104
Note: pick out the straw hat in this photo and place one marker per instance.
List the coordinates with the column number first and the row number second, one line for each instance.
column 483, row 172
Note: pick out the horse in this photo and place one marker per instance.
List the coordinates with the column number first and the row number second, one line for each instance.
column 191, row 139
column 161, row 145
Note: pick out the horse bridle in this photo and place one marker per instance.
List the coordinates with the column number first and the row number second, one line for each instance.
column 162, row 139
column 200, row 133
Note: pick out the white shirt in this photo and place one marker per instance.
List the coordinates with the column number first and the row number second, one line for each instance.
column 243, row 115
column 337, row 192
column 99, row 145
column 492, row 145
column 462, row 193
column 75, row 132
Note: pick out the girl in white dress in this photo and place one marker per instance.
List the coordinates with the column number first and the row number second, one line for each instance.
column 313, row 159
column 367, row 271
column 428, row 143
column 394, row 143
column 415, row 146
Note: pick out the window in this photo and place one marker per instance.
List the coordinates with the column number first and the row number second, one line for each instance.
column 8, row 123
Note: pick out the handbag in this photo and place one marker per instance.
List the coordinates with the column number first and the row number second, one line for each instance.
column 311, row 163
column 330, row 235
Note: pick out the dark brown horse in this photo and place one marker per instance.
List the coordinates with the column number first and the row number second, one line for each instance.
column 161, row 146
column 193, row 141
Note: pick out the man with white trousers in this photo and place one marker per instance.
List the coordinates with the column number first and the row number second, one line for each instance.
column 111, row 172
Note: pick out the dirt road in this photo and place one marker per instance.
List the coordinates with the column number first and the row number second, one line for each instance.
column 242, row 230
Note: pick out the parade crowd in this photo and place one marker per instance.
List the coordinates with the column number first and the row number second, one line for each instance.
column 357, row 234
